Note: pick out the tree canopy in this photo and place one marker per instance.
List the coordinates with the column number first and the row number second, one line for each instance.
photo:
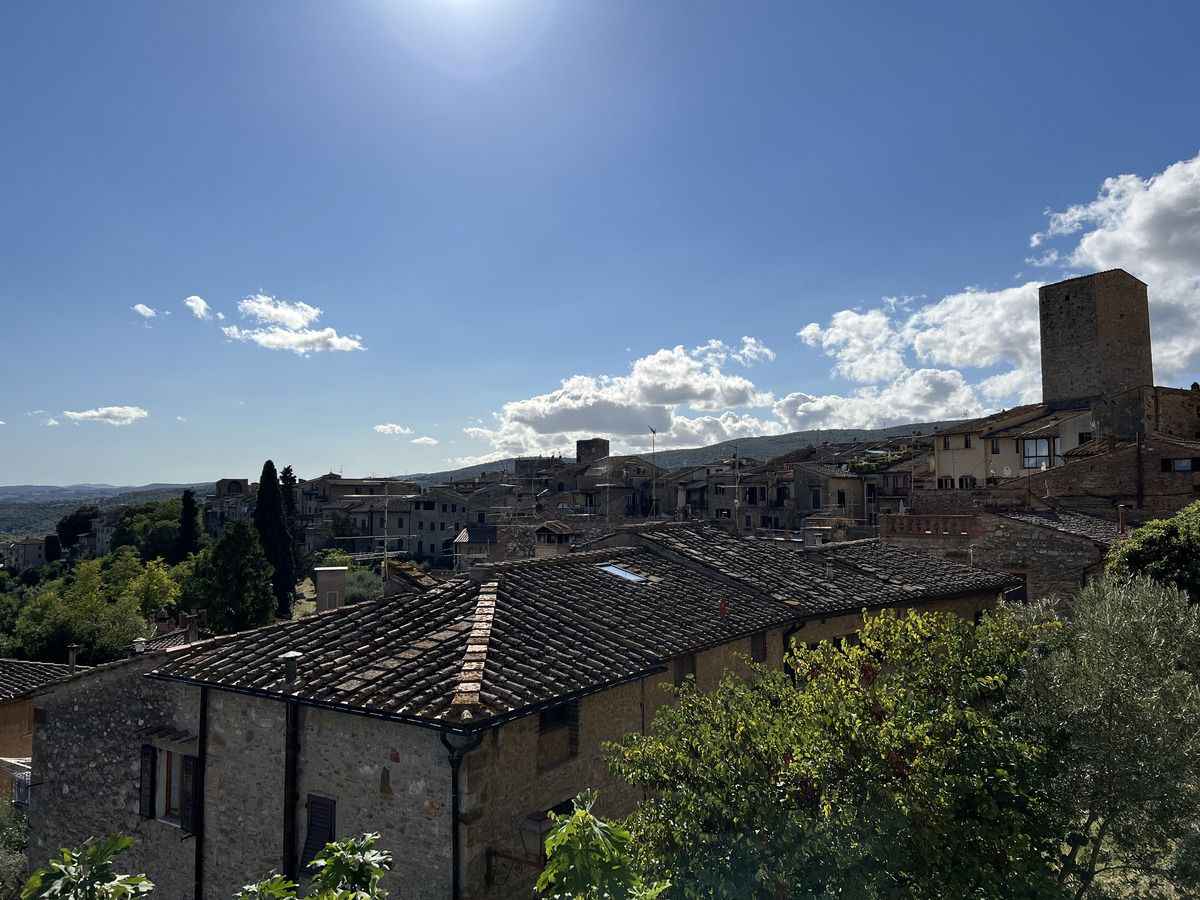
column 232, row 581
column 271, row 521
column 1165, row 550
column 871, row 770
column 74, row 524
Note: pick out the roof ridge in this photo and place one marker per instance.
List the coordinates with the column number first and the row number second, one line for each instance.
column 470, row 676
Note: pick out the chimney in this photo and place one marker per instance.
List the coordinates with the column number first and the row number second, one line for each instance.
column 290, row 661
column 829, row 568
column 72, row 649
column 331, row 587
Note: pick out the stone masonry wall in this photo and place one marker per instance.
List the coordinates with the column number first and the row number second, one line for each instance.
column 87, row 765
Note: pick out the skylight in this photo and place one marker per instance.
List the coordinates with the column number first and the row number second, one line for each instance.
column 613, row 569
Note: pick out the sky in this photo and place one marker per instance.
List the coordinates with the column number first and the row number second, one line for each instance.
column 383, row 237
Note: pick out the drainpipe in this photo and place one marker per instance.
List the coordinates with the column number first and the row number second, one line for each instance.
column 455, row 755
column 202, row 753
column 291, row 753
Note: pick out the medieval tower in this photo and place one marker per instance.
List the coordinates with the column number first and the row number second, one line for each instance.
column 1095, row 338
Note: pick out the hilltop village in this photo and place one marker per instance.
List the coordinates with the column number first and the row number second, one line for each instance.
column 472, row 697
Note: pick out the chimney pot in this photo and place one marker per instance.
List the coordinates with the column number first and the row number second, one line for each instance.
column 290, row 661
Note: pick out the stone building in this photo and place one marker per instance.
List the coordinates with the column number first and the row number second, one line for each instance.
column 17, row 678
column 1095, row 338
column 449, row 722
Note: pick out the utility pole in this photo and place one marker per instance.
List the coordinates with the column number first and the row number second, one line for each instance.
column 654, row 474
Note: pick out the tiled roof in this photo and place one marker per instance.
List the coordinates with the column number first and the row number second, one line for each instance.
column 987, row 425
column 833, row 579
column 826, row 470
column 17, row 676
column 176, row 638
column 516, row 635
column 1095, row 528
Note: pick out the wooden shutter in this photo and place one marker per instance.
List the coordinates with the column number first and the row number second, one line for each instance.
column 190, row 794
column 147, row 792
column 320, row 827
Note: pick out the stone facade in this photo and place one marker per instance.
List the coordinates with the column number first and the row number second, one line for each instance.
column 1095, row 338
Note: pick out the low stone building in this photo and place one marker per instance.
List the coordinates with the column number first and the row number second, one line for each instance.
column 449, row 722
column 18, row 677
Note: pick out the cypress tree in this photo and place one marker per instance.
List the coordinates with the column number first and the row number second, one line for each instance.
column 272, row 527
column 189, row 529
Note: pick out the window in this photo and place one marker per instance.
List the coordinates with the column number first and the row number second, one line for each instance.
column 558, row 733
column 841, row 499
column 945, row 484
column 995, row 445
column 724, row 513
column 443, row 526
column 966, row 482
column 967, row 441
column 1036, row 453
column 718, row 489
column 685, row 666
column 758, row 647
column 1181, row 465
column 321, row 818
column 614, row 569
column 1084, row 437
column 816, row 498
column 946, row 442
column 443, row 507
column 420, row 526
column 748, row 525
column 170, row 784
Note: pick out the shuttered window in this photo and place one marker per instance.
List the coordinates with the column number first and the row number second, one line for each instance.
column 320, row 827
column 190, row 794
column 147, row 791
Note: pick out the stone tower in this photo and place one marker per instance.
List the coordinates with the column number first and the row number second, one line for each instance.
column 1095, row 338
column 587, row 452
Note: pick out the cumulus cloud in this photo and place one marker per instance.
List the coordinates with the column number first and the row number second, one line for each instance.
column 920, row 396
column 393, row 429
column 658, row 392
column 113, row 415
column 1151, row 228
column 143, row 310
column 284, row 326
column 3, row 423
column 50, row 421
column 268, row 310
column 424, row 440
column 199, row 308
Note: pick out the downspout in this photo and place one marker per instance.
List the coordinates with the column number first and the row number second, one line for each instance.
column 202, row 752
column 291, row 753
column 1139, row 471
column 455, row 755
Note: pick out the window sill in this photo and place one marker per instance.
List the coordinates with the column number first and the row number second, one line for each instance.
column 174, row 821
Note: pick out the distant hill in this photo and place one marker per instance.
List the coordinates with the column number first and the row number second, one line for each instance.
column 33, row 510
column 764, row 448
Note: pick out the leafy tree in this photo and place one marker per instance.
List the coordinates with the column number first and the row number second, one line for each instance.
column 302, row 560
column 362, row 584
column 151, row 528
column 188, row 539
column 1165, row 550
column 232, row 580
column 272, row 528
column 86, row 874
column 871, row 770
column 53, row 547
column 589, row 859
column 154, row 589
column 1114, row 695
column 78, row 610
column 74, row 524
column 345, row 870
column 14, row 835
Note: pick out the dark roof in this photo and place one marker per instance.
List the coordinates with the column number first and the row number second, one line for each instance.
column 512, row 637
column 18, row 676
column 988, row 425
column 1102, row 531
column 176, row 638
column 826, row 470
column 832, row 579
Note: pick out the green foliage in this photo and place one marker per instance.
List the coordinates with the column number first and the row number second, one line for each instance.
column 232, row 580
column 363, row 584
column 153, row 590
column 345, row 870
column 86, row 874
column 1165, row 550
column 74, row 524
column 871, row 770
column 271, row 522
column 1114, row 695
column 78, row 609
column 14, row 835
column 150, row 528
column 53, row 547
column 589, row 859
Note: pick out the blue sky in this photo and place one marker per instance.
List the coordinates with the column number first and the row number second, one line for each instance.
column 393, row 237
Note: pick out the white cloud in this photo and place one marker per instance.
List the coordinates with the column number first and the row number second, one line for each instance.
column 1151, row 228
column 50, row 421
column 921, row 396
column 113, row 415
column 424, row 440
column 3, row 423
column 284, row 326
column 143, row 310
column 393, row 429
column 655, row 394
column 268, row 310
column 301, row 342
column 181, row 418
column 864, row 344
column 199, row 308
